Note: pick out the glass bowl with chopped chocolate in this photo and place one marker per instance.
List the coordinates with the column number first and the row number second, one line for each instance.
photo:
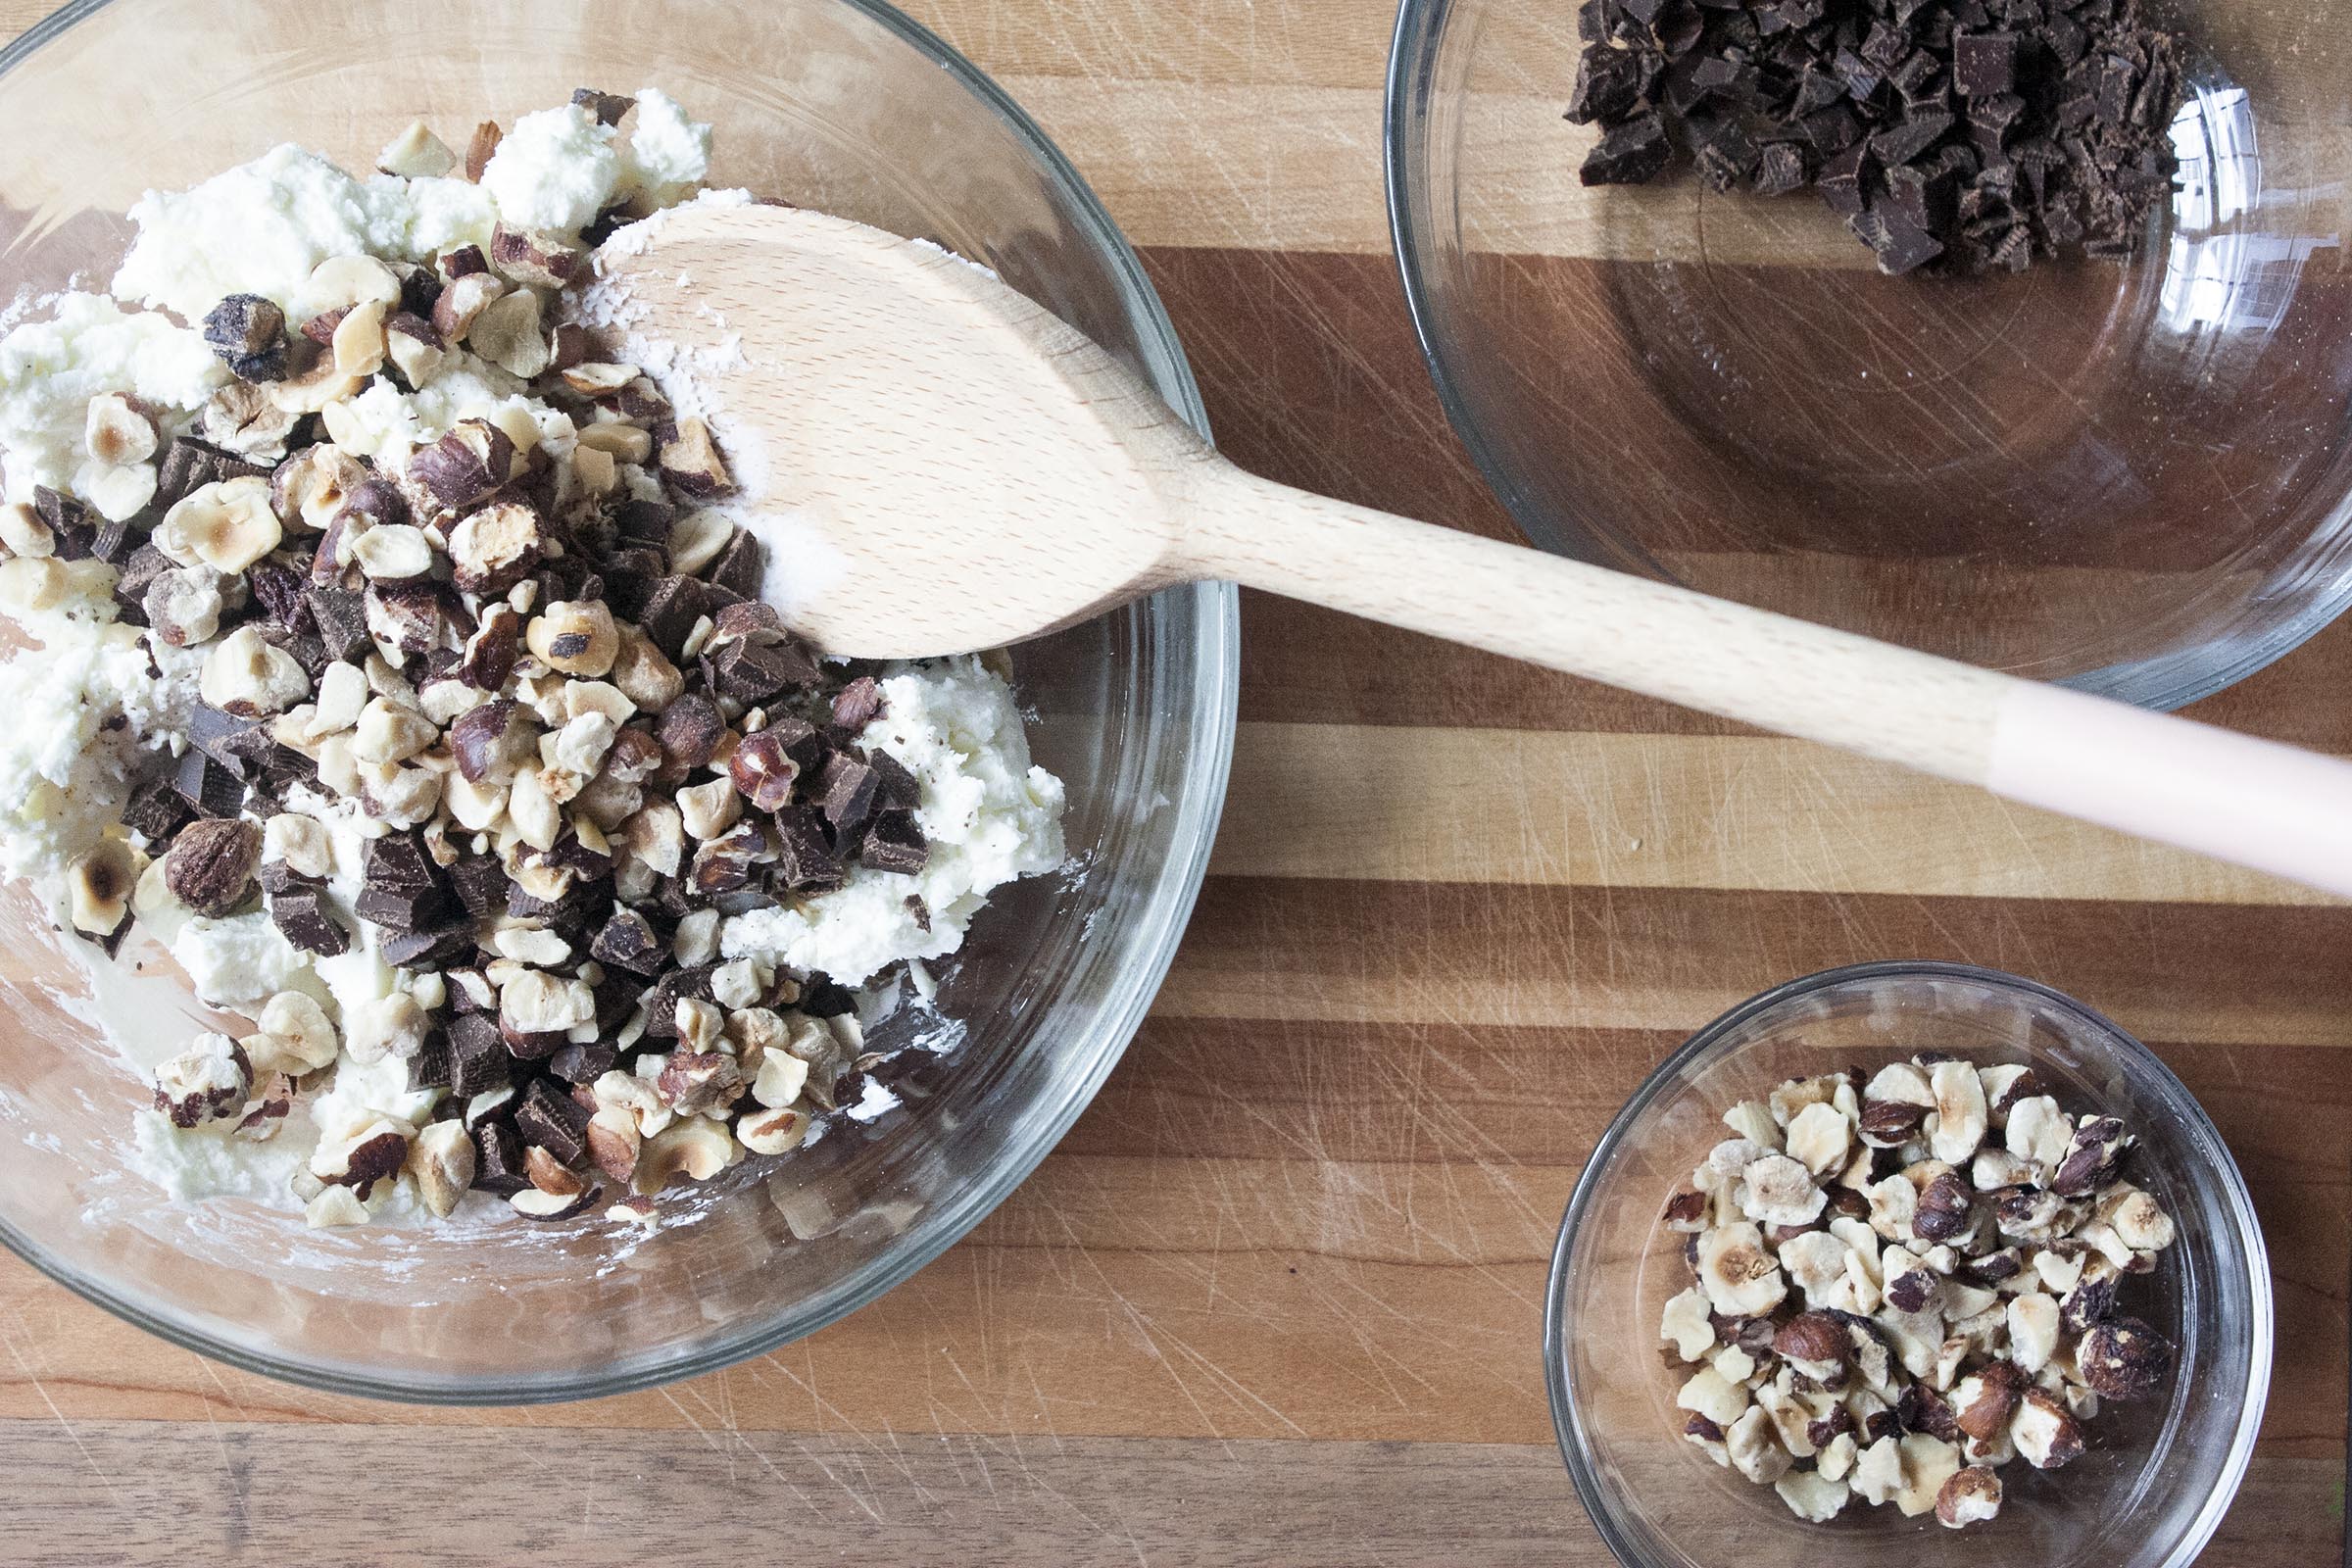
column 2003, row 328
column 467, row 948
column 1909, row 1258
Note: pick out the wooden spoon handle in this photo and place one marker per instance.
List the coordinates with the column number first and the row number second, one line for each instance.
column 2253, row 801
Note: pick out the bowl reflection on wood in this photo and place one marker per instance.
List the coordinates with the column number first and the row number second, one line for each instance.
column 2131, row 477
column 836, row 104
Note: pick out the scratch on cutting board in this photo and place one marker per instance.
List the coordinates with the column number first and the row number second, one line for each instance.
column 17, row 1351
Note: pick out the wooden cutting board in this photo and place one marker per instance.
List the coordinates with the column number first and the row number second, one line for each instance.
column 1277, row 1296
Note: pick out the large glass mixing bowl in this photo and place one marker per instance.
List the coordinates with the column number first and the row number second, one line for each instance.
column 2134, row 478
column 838, row 104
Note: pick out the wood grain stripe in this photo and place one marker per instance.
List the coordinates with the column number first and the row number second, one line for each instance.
column 239, row 1495
column 1384, row 803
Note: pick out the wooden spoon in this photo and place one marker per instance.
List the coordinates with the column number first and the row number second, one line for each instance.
column 939, row 464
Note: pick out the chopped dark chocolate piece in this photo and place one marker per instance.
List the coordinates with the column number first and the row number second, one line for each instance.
column 138, row 573
column 430, row 949
column 754, row 674
column 432, row 1066
column 482, row 885
column 304, row 916
column 805, row 861
column 661, row 998
column 920, row 912
column 739, row 568
column 895, row 788
column 846, row 791
column 824, row 998
column 249, row 334
column 477, row 1055
column 689, row 730
column 1610, row 82
column 341, row 619
column 629, row 942
column 1629, row 154
column 498, row 1160
column 189, row 465
column 549, row 1118
column 1779, row 171
column 671, row 610
column 583, row 1065
column 400, row 888
column 212, row 790
column 894, row 843
column 156, row 812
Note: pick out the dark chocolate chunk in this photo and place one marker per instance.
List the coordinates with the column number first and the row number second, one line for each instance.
column 689, row 730
column 477, row 1055
column 846, row 791
column 498, row 1160
column 671, row 610
column 1629, row 154
column 400, row 888
column 189, row 465
column 754, row 674
column 436, row 949
column 919, row 911
column 213, row 791
column 305, row 917
column 805, row 861
column 738, row 569
column 341, row 619
column 583, row 1065
column 157, row 812
column 432, row 1066
column 1779, row 170
column 630, row 576
column 821, row 997
column 661, row 998
column 894, row 843
column 482, row 885
column 895, row 788
column 549, row 1118
column 1610, row 82
column 629, row 942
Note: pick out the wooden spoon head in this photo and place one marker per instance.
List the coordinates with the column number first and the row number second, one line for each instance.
column 934, row 463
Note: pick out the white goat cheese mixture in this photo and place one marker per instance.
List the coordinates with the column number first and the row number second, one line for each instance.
column 399, row 666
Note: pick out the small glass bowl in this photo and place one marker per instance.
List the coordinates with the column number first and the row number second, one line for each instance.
column 843, row 105
column 2159, row 1474
column 2132, row 478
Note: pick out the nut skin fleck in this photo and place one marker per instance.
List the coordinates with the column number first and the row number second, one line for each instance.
column 2124, row 1358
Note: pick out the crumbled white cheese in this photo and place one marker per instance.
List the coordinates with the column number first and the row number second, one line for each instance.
column 81, row 710
column 669, row 153
column 989, row 816
column 385, row 423
column 89, row 345
column 240, row 961
column 555, row 170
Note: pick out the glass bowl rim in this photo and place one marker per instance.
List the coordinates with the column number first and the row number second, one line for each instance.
column 2198, row 1126
column 1212, row 611
column 2163, row 681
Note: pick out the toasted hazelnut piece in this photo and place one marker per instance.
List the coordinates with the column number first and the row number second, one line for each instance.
column 506, row 332
column 465, row 465
column 307, row 490
column 623, row 443
column 695, row 1081
column 389, row 733
column 24, row 533
column 248, row 677
column 1741, row 1278
column 183, row 606
column 654, row 838
column 295, row 1036
column 534, row 812
column 1686, row 1324
column 1813, row 1343
column 399, row 553
column 527, row 256
column 2139, row 1221
column 33, row 583
column 116, row 433
column 1812, row 1495
column 696, row 539
column 116, row 492
column 2099, row 1144
column 1819, row 1136
column 1982, row 1404
column 315, row 386
column 442, row 1162
column 495, row 547
column 575, row 636
column 358, row 344
column 348, row 282
column 1815, row 1262
column 1928, row 1463
column 1753, row 1452
column 210, row 864
column 772, row 1132
column 695, row 1147
column 2046, row 1436
column 208, row 1082
column 709, row 809
column 1778, row 1191
column 389, row 1026
column 226, row 525
column 334, row 1207
column 241, row 418
column 415, row 347
column 460, row 306
column 1969, row 1496
column 99, row 885
column 549, row 1174
column 249, row 334
column 481, row 148
column 547, row 1207
column 2122, row 1358
column 598, row 379
column 644, row 673
column 416, row 153
column 2038, row 1131
column 537, row 1003
column 695, row 938
column 1960, row 1115
column 764, row 775
column 690, row 461
column 1710, row 1394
